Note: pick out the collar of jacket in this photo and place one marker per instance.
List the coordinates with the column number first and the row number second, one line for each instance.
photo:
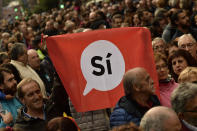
column 132, row 107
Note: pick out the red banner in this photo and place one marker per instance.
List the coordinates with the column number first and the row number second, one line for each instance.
column 91, row 64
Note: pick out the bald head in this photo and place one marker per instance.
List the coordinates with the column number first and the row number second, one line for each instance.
column 33, row 59
column 160, row 110
column 133, row 77
column 160, row 119
column 30, row 51
column 134, row 73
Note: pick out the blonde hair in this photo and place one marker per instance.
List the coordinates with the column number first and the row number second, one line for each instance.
column 156, row 40
column 25, row 81
column 186, row 74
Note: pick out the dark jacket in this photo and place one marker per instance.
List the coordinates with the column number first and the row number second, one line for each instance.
column 168, row 33
column 130, row 111
column 28, row 123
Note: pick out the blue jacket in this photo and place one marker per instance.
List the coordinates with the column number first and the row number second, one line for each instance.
column 11, row 106
column 129, row 111
column 2, row 96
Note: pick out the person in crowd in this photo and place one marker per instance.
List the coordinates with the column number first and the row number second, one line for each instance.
column 100, row 24
column 54, row 87
column 117, row 19
column 160, row 13
column 193, row 20
column 173, row 3
column 102, row 16
column 189, row 74
column 4, row 40
column 146, row 18
column 23, row 30
column 19, row 59
column 50, row 29
column 14, row 71
column 185, row 4
column 11, row 41
column 182, row 22
column 166, row 83
column 36, row 111
column 159, row 45
column 62, row 124
column 172, row 47
column 69, row 26
column 170, row 29
column 129, row 5
column 9, row 104
column 92, row 16
column 4, row 58
column 136, row 20
column 39, row 47
column 188, row 43
column 44, row 74
column 157, row 26
column 139, row 93
column 178, row 61
column 2, row 95
column 161, row 3
column 160, row 119
column 184, row 103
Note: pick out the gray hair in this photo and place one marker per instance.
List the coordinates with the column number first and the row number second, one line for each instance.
column 17, row 50
column 155, row 121
column 182, row 95
column 186, row 35
column 130, row 79
column 173, row 3
column 128, row 82
column 157, row 39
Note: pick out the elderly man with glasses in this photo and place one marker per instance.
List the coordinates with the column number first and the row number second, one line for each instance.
column 187, row 42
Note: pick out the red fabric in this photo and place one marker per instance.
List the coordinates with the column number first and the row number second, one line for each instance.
column 66, row 51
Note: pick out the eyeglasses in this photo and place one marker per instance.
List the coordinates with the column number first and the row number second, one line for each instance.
column 188, row 45
column 161, row 67
column 158, row 47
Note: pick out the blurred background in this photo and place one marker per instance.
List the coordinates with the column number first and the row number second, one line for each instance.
column 14, row 9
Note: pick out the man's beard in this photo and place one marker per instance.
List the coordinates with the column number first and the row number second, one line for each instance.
column 10, row 91
column 186, row 26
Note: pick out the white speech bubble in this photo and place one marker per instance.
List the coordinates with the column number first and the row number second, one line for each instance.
column 99, row 56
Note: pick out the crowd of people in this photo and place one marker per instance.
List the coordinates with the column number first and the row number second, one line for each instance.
column 32, row 97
